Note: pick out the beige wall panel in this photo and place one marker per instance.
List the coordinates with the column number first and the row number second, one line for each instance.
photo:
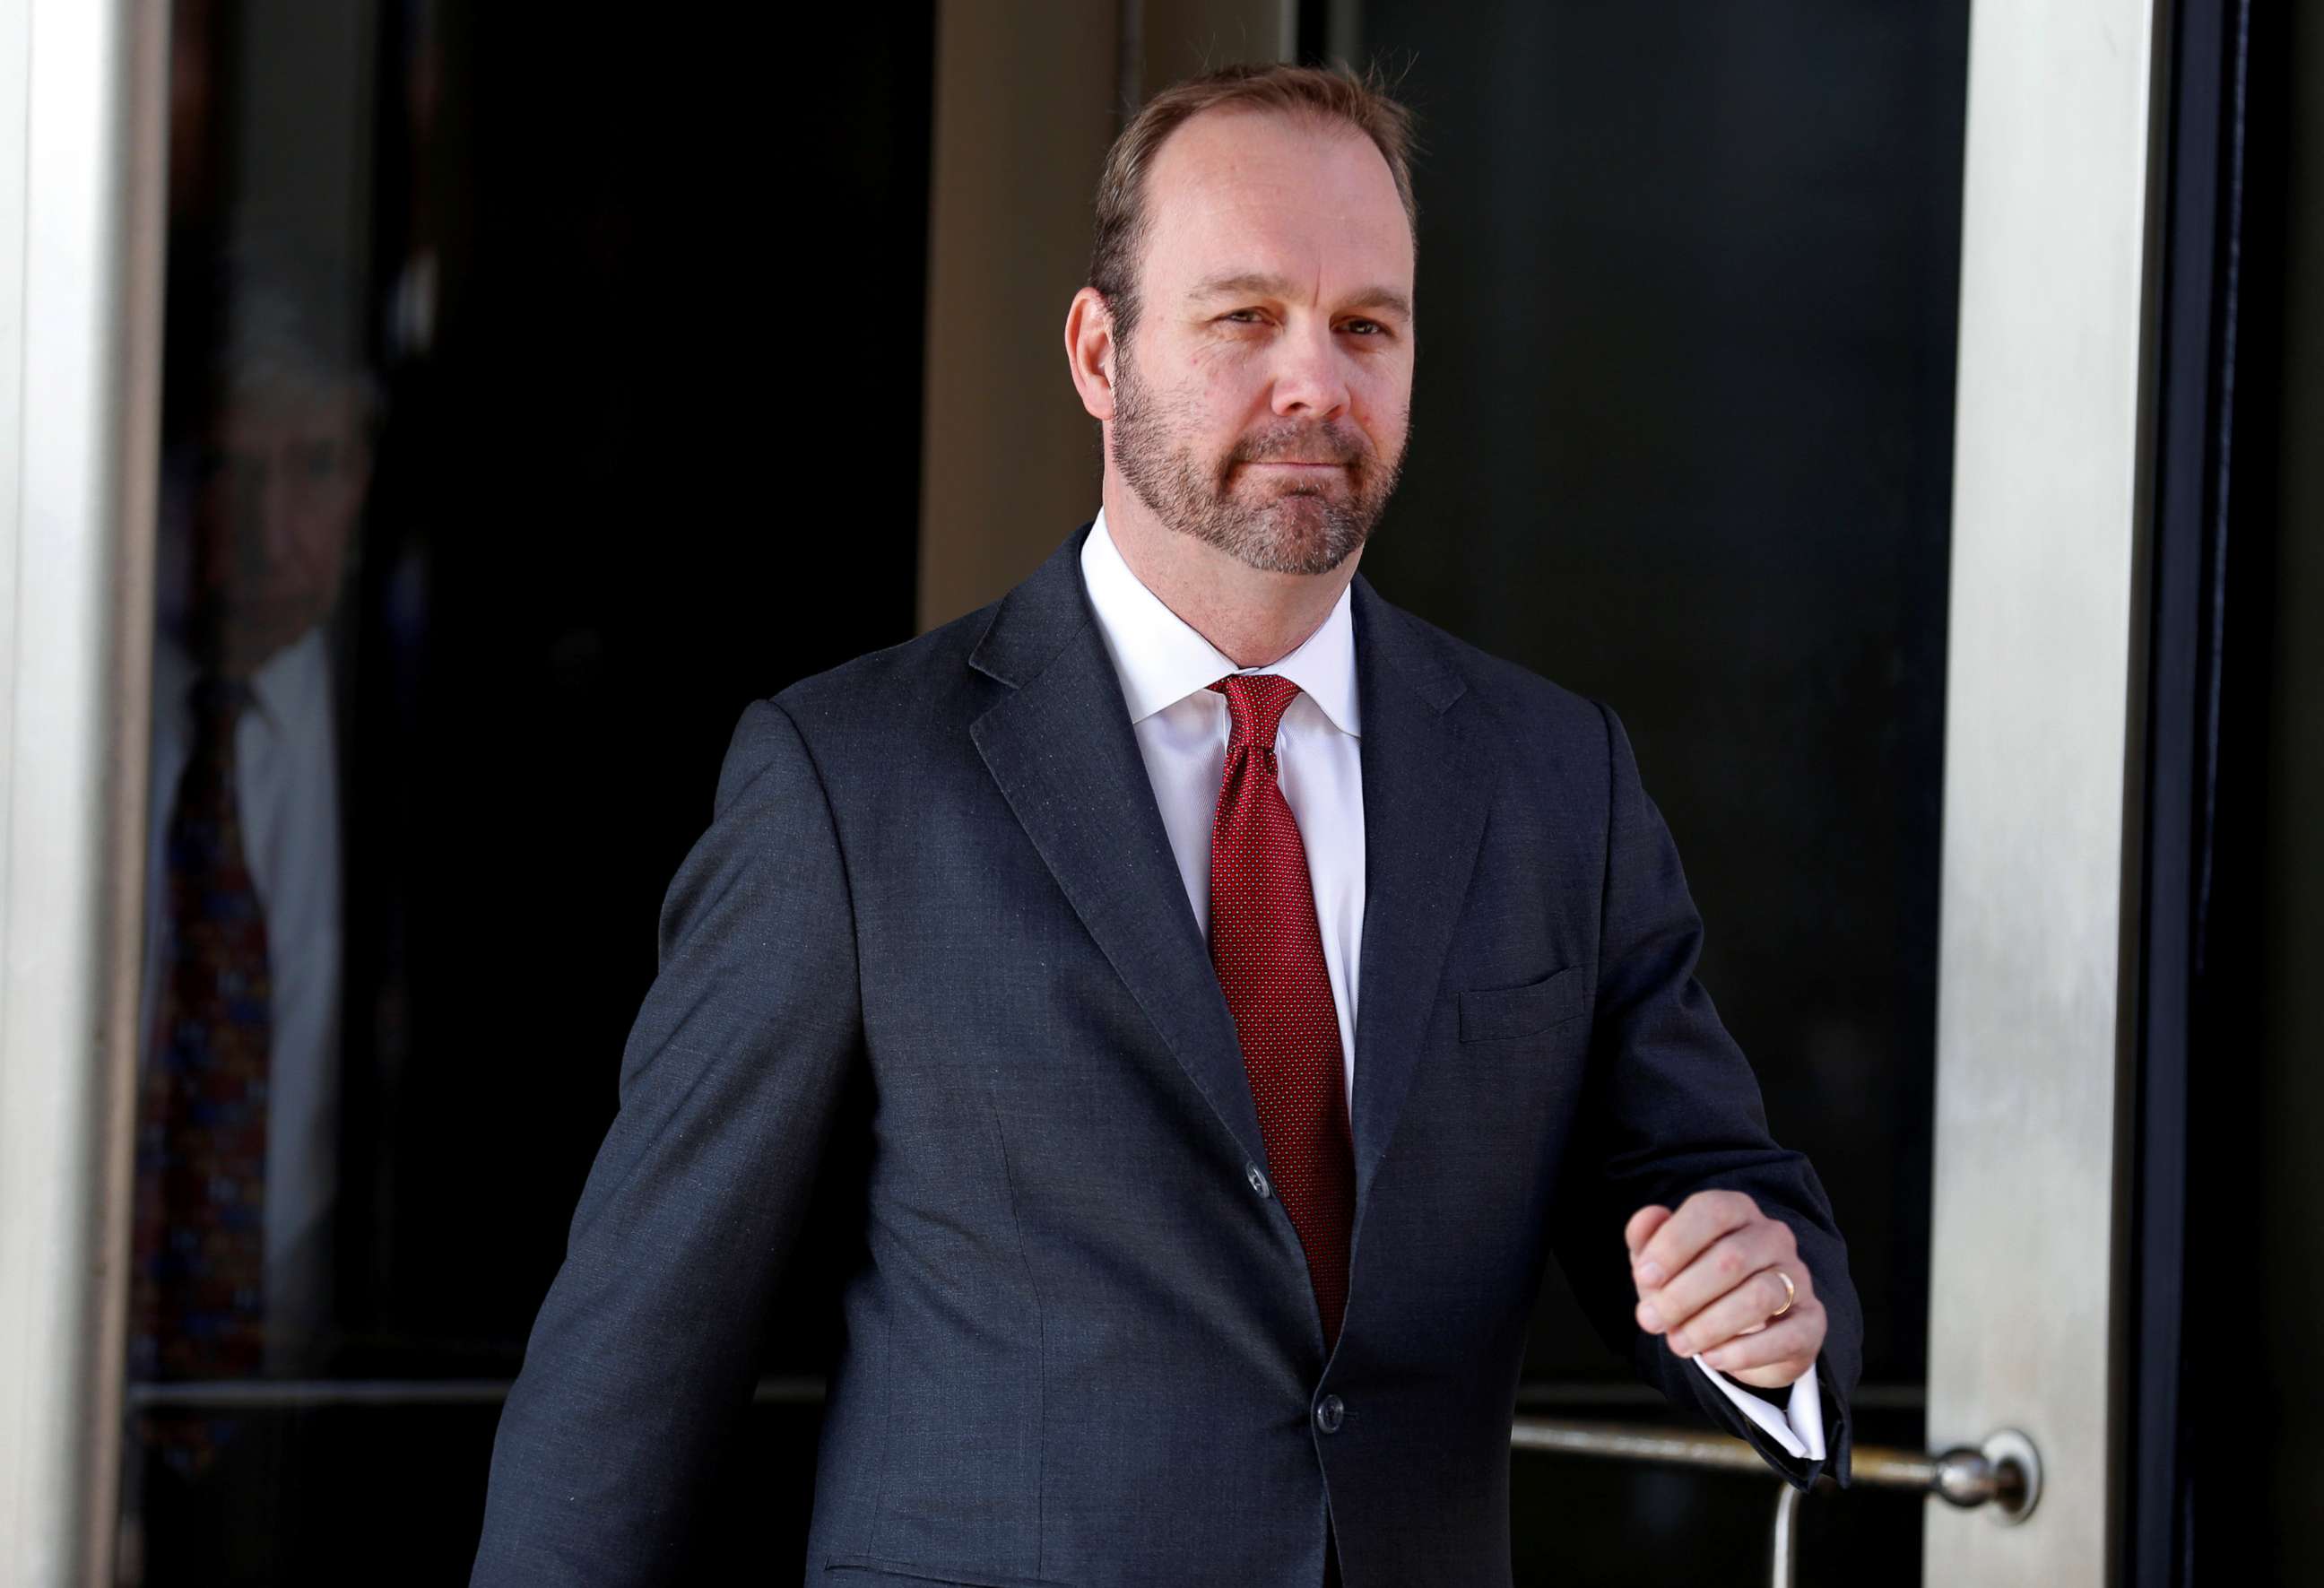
column 1024, row 111
column 1190, row 36
column 1028, row 98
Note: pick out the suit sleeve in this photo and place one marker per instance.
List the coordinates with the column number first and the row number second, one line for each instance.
column 644, row 1353
column 1671, row 1107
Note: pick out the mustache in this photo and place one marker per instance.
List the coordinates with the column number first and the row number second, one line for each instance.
column 1302, row 443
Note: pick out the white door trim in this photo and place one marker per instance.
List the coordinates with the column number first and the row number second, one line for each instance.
column 83, row 97
column 2038, row 884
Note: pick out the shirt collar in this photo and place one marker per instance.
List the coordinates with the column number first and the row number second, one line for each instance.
column 1162, row 658
column 282, row 687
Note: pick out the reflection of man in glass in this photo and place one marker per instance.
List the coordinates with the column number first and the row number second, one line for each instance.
column 266, row 461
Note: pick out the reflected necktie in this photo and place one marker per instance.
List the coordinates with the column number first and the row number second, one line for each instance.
column 1268, row 953
column 196, row 1281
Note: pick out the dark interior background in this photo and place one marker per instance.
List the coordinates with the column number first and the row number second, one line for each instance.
column 2246, row 1460
column 630, row 518
column 1682, row 441
column 638, row 468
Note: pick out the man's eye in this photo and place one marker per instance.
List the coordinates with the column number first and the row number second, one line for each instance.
column 1240, row 313
column 1369, row 327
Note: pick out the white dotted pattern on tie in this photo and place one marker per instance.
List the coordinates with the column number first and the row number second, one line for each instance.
column 1268, row 952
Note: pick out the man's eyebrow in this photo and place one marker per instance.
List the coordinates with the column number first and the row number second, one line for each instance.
column 1258, row 283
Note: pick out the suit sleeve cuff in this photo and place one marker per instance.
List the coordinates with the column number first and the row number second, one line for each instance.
column 1798, row 1427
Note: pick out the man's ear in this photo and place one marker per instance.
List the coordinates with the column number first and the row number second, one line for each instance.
column 1089, row 352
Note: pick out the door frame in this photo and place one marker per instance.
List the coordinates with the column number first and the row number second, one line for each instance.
column 2041, row 880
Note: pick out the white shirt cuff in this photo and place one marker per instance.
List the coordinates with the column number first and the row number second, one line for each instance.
column 1798, row 1428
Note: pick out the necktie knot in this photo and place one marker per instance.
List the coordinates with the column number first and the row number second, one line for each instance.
column 1255, row 704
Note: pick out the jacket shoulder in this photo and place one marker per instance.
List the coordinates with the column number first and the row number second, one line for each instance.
column 913, row 682
column 1521, row 698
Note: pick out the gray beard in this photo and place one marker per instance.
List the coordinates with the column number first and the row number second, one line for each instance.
column 1299, row 529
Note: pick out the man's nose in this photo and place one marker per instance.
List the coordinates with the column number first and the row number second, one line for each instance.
column 278, row 516
column 1308, row 377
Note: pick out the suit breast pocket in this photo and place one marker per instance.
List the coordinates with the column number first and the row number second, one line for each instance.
column 1496, row 1015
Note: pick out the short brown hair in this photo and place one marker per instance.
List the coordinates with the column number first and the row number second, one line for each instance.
column 1320, row 93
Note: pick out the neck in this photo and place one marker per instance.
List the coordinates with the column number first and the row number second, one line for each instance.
column 1254, row 617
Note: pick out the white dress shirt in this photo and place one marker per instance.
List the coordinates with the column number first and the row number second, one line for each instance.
column 1181, row 723
column 286, row 782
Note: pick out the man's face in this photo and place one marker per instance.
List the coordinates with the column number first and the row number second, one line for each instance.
column 278, row 486
column 1262, row 399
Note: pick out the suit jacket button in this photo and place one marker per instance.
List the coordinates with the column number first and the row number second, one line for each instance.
column 1257, row 1180
column 1328, row 1413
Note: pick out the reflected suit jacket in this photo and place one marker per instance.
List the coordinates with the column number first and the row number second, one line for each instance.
column 1080, row 1345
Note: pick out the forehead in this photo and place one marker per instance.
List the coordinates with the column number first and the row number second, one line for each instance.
column 1265, row 192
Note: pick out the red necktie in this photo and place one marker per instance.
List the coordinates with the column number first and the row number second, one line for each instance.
column 196, row 1293
column 1269, row 954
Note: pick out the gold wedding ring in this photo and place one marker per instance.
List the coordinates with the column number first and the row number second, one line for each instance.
column 1791, row 1294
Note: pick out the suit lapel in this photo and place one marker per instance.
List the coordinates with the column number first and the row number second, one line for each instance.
column 1427, row 777
column 1062, row 750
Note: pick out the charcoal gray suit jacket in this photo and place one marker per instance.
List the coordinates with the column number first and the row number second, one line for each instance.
column 1081, row 1346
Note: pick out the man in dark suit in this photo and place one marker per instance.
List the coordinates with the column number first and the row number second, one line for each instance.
column 1177, row 1269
